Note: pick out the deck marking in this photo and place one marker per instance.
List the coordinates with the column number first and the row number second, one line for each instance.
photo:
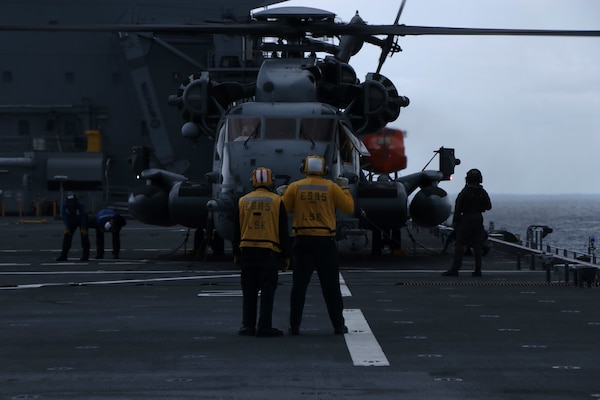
column 97, row 272
column 362, row 344
column 220, row 293
column 114, row 282
column 344, row 288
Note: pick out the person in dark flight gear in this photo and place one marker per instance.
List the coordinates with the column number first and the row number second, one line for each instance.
column 261, row 243
column 314, row 200
column 74, row 216
column 470, row 203
column 108, row 220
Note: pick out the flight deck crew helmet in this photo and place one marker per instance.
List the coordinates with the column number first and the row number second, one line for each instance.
column 262, row 177
column 72, row 196
column 474, row 176
column 71, row 199
column 313, row 165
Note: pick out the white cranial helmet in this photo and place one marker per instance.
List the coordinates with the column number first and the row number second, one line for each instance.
column 314, row 165
column 108, row 226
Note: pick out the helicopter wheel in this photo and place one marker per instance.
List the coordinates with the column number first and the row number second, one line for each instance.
column 217, row 244
column 199, row 243
column 376, row 242
column 395, row 240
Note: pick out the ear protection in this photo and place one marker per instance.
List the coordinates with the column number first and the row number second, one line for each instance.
column 313, row 165
column 262, row 176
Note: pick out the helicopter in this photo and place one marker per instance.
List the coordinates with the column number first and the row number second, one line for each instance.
column 299, row 105
column 294, row 104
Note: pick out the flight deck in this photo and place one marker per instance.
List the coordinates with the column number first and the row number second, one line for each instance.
column 160, row 324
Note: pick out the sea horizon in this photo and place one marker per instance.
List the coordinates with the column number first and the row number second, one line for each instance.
column 573, row 217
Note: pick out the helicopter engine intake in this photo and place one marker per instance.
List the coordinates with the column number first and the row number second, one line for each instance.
column 377, row 104
column 202, row 102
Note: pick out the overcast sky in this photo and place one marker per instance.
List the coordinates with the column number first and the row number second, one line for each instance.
column 524, row 110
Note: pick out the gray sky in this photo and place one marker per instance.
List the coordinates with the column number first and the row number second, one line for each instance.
column 524, row 110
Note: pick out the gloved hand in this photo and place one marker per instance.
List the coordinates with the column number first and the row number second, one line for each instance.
column 67, row 231
column 285, row 264
column 281, row 189
column 237, row 260
column 342, row 182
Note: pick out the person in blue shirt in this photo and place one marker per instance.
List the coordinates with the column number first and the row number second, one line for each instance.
column 108, row 220
column 74, row 216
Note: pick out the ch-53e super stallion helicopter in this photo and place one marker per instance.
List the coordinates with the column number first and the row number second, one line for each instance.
column 299, row 105
column 293, row 104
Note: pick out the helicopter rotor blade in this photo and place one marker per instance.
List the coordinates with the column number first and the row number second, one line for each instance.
column 316, row 29
column 408, row 30
column 399, row 12
column 389, row 41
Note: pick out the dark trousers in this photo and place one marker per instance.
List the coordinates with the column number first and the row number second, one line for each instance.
column 116, row 242
column 259, row 273
column 68, row 240
column 116, row 236
column 459, row 251
column 310, row 252
column 470, row 233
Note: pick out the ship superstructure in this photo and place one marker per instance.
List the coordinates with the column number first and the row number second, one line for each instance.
column 74, row 105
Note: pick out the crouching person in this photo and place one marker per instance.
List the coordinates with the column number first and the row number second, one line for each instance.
column 108, row 220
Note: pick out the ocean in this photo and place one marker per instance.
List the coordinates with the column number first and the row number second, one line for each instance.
column 574, row 218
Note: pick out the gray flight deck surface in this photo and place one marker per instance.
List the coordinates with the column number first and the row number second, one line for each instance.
column 156, row 325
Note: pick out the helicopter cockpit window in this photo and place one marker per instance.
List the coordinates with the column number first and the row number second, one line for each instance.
column 318, row 129
column 280, row 128
column 240, row 129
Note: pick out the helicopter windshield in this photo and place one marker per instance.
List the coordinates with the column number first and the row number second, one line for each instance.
column 241, row 129
column 318, row 129
column 280, row 128
column 312, row 129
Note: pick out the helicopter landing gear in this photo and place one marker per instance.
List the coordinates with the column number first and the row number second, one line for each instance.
column 376, row 243
column 217, row 244
column 395, row 241
column 213, row 239
column 199, row 246
column 390, row 237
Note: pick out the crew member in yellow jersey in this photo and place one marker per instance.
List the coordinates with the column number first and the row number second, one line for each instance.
column 261, row 241
column 314, row 201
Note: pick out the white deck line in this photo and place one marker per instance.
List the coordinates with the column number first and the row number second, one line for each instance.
column 345, row 291
column 362, row 344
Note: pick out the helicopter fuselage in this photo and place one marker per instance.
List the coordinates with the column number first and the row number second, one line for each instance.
column 299, row 106
column 278, row 136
